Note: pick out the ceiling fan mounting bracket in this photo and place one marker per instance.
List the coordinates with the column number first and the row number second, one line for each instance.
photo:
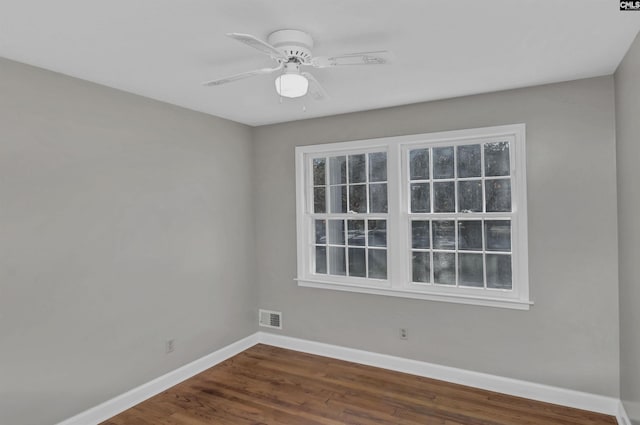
column 296, row 45
column 291, row 67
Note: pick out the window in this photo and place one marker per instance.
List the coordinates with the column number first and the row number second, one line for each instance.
column 350, row 209
column 437, row 216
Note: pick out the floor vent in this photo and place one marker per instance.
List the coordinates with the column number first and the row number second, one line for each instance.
column 270, row 319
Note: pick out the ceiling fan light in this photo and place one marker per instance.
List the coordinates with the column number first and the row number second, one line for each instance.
column 292, row 85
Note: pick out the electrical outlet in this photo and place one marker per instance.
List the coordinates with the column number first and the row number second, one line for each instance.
column 404, row 333
column 169, row 346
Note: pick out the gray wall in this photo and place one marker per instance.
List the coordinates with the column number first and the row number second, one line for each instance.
column 570, row 337
column 123, row 222
column 627, row 81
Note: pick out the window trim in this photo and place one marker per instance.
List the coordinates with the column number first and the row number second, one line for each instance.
column 398, row 283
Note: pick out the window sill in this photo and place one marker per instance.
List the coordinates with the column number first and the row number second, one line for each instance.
column 514, row 304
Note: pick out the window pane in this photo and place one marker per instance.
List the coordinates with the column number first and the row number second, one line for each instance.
column 338, row 199
column 419, row 164
column 420, row 267
column 498, row 235
column 358, row 198
column 321, row 259
column 378, row 167
column 356, row 232
column 469, row 161
column 420, row 198
column 319, row 172
column 377, row 232
column 443, row 163
column 444, row 234
column 443, row 197
column 337, row 170
column 319, row 200
column 357, row 264
column 470, row 235
column 470, row 196
column 336, row 232
column 499, row 271
column 357, row 169
column 470, row 270
column 321, row 232
column 498, row 193
column 420, row 234
column 444, row 268
column 496, row 159
column 378, row 198
column 378, row 263
column 337, row 261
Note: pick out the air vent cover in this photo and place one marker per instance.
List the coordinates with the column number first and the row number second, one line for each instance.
column 270, row 319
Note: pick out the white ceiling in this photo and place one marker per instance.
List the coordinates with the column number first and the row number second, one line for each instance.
column 164, row 49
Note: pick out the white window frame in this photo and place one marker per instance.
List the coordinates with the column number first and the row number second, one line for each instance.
column 398, row 282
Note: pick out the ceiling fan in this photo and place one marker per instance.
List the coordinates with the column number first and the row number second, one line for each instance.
column 291, row 49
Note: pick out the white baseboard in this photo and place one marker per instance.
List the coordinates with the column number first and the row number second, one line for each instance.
column 621, row 416
column 118, row 404
column 534, row 391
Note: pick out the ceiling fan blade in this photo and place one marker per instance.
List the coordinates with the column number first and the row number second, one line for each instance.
column 241, row 76
column 258, row 44
column 316, row 91
column 379, row 57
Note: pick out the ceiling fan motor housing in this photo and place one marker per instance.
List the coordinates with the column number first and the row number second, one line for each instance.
column 294, row 44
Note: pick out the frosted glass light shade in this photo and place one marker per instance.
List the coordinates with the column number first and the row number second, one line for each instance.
column 292, row 85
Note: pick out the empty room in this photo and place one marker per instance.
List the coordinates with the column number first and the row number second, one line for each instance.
column 410, row 212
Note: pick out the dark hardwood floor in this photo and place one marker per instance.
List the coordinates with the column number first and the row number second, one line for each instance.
column 269, row 385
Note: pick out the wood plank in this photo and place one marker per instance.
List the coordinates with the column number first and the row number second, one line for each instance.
column 267, row 385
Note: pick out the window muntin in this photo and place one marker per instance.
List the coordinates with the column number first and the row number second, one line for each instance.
column 455, row 188
column 350, row 224
column 448, row 212
column 467, row 253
